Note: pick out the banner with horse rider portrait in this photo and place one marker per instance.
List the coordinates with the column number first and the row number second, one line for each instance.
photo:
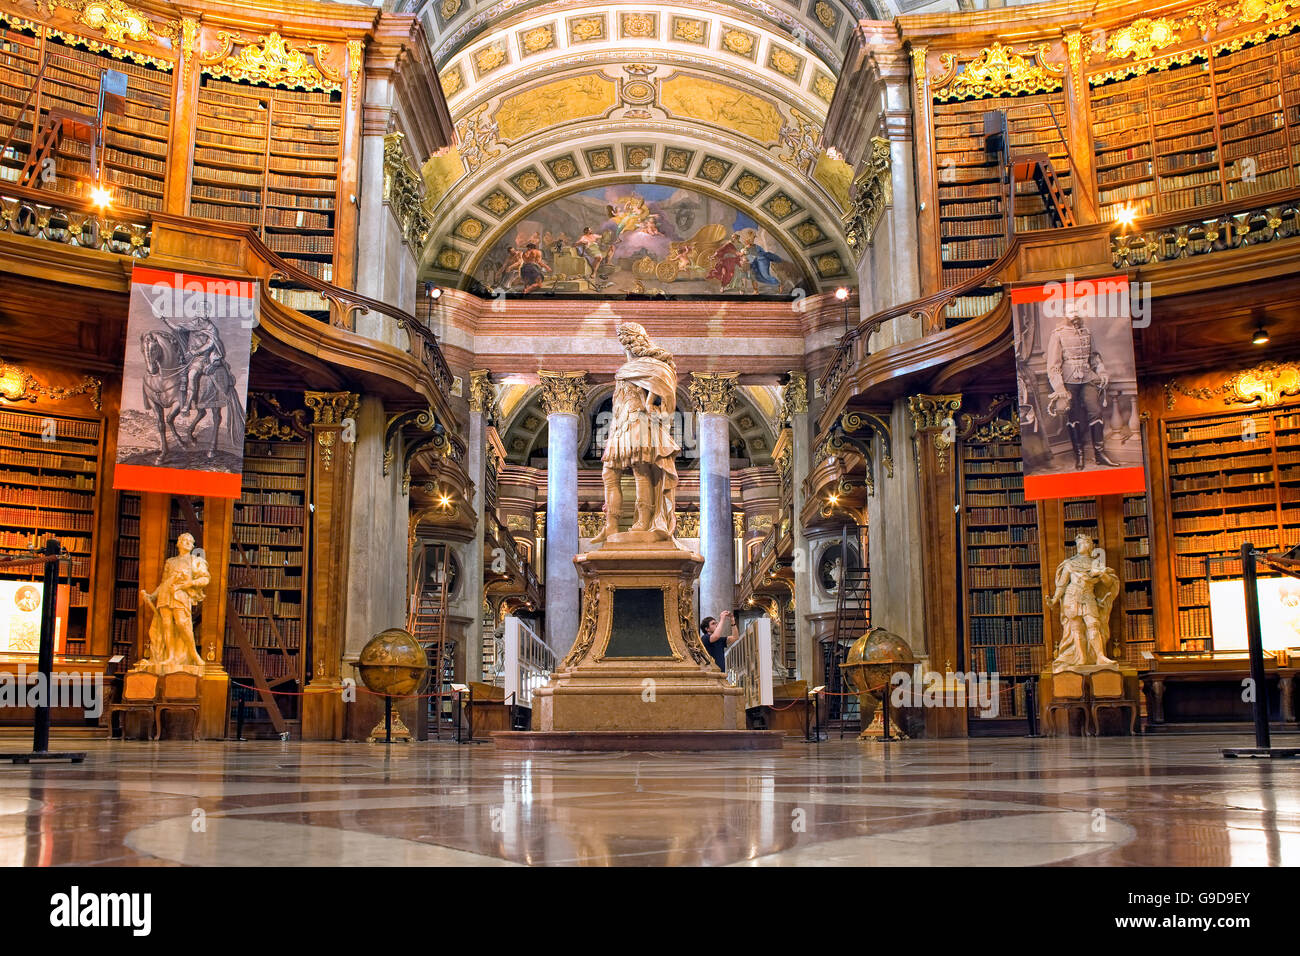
column 1076, row 378
column 185, row 384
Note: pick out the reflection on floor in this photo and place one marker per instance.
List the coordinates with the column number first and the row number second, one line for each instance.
column 1114, row 801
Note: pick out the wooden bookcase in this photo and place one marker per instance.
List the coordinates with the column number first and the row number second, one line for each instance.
column 1001, row 568
column 126, row 589
column 48, row 468
column 1231, row 478
column 135, row 142
column 1135, row 572
column 268, row 569
column 973, row 223
column 1224, row 126
column 269, row 158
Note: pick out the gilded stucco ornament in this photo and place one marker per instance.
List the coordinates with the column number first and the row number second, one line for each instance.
column 714, row 393
column 1264, row 385
column 563, row 393
column 404, row 193
column 794, row 397
column 1141, row 39
column 934, row 415
column 1001, row 71
column 271, row 60
column 873, row 190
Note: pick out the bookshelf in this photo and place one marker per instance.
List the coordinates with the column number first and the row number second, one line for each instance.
column 1135, row 572
column 1080, row 515
column 269, row 158
column 1003, row 586
column 1231, row 478
column 488, row 658
column 1224, row 126
column 973, row 218
column 268, row 559
column 48, row 465
column 126, row 587
column 1289, row 56
column 135, row 141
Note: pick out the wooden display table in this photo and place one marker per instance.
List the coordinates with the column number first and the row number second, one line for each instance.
column 147, row 699
column 1113, row 694
column 65, row 667
column 1207, row 688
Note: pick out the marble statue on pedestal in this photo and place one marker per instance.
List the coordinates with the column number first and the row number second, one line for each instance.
column 641, row 440
column 1085, row 590
column 171, row 633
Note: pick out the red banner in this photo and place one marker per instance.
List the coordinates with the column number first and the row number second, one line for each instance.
column 185, row 384
column 1076, row 382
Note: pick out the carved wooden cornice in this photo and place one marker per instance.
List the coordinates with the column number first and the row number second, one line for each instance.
column 714, row 393
column 998, row 423
column 563, row 393
column 1264, row 385
column 17, row 384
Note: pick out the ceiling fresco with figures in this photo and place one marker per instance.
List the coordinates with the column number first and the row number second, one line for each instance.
column 710, row 108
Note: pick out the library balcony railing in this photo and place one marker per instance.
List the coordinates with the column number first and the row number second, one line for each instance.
column 1188, row 233
column 72, row 221
column 955, row 320
column 78, row 223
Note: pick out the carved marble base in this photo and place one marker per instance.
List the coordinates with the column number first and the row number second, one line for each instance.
column 638, row 663
column 1084, row 668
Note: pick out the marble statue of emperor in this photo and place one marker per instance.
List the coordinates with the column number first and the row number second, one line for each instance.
column 640, row 439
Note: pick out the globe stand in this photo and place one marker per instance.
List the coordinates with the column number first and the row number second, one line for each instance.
column 392, row 725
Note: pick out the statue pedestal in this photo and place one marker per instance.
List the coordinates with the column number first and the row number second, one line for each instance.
column 638, row 664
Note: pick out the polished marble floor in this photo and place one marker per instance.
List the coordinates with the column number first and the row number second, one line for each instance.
column 1107, row 802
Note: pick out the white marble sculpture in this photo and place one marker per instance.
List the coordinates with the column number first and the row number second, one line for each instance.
column 1085, row 590
column 171, row 632
column 641, row 440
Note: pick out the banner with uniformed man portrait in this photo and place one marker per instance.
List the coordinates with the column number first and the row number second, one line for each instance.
column 1076, row 382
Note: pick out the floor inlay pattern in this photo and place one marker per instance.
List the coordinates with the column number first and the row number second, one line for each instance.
column 1114, row 802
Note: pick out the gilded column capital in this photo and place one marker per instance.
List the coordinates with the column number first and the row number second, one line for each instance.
column 933, row 412
column 331, row 408
column 794, row 398
column 714, row 393
column 482, row 394
column 563, row 393
column 935, row 415
column 918, row 66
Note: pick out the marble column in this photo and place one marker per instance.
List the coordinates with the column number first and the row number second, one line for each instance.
column 714, row 394
column 795, row 411
column 482, row 400
column 563, row 397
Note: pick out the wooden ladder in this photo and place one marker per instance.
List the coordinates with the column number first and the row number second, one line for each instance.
column 1038, row 167
column 852, row 618
column 430, row 627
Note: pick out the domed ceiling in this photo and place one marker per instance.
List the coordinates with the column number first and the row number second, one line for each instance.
column 684, row 135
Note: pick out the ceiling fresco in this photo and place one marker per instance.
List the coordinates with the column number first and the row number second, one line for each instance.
column 722, row 101
column 639, row 238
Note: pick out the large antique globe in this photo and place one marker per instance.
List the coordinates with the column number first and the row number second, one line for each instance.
column 869, row 666
column 393, row 662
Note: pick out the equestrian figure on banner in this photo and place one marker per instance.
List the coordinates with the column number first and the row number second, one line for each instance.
column 186, row 372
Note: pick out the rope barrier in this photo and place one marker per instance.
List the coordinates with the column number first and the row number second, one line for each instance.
column 364, row 690
column 8, row 563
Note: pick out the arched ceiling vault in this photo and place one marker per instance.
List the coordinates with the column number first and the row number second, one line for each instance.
column 724, row 98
